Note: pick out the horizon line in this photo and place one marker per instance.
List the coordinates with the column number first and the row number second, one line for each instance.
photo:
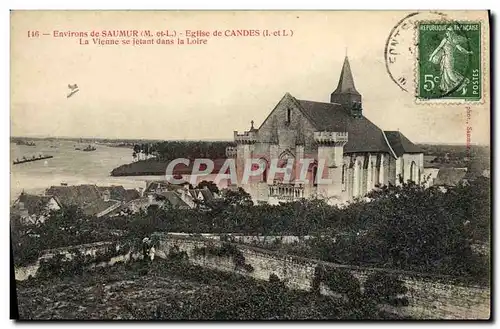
column 204, row 139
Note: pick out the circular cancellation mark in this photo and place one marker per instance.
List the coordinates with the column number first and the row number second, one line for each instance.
column 401, row 51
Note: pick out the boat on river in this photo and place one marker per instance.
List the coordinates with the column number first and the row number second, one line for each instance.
column 89, row 148
column 26, row 143
column 33, row 158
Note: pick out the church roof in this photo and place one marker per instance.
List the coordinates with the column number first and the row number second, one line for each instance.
column 364, row 136
column 346, row 81
column 400, row 144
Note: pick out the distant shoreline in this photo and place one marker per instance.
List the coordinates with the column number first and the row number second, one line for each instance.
column 155, row 167
column 118, row 140
column 140, row 140
column 150, row 167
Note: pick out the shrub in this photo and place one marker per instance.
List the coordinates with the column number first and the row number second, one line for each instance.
column 175, row 254
column 273, row 278
column 342, row 281
column 248, row 267
column 319, row 275
column 386, row 289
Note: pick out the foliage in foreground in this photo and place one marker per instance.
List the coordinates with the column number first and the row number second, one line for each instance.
column 249, row 299
column 403, row 227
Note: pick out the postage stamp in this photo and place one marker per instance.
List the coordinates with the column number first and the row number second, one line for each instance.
column 449, row 61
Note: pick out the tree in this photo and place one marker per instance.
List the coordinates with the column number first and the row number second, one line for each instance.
column 236, row 198
column 386, row 289
column 410, row 227
column 137, row 151
column 190, row 186
column 210, row 185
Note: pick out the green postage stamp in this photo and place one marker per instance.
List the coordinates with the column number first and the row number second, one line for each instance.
column 449, row 61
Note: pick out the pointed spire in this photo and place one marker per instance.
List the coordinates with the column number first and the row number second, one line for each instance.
column 346, row 81
column 346, row 93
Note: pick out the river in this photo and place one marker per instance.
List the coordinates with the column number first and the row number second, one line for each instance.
column 68, row 166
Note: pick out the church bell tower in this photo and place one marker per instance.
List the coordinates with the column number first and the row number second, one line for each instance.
column 346, row 94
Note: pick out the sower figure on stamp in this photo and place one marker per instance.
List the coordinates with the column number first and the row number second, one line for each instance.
column 444, row 55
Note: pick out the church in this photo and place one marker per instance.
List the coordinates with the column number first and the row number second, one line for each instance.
column 344, row 147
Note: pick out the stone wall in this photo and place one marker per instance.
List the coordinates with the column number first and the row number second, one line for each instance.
column 92, row 249
column 430, row 297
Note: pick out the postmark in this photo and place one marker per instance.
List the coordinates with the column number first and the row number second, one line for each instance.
column 449, row 60
column 400, row 49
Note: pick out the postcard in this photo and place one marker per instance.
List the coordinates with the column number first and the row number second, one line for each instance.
column 250, row 165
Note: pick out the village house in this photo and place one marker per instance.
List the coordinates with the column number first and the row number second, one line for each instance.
column 91, row 199
column 33, row 209
column 165, row 194
column 357, row 154
column 161, row 199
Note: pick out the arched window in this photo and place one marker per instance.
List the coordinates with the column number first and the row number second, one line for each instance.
column 315, row 174
column 413, row 172
column 372, row 173
column 263, row 163
column 357, row 186
column 288, row 115
column 344, row 173
column 360, row 178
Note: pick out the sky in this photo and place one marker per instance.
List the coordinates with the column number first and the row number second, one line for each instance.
column 206, row 91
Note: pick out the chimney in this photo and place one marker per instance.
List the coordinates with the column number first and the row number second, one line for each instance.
column 141, row 191
column 150, row 198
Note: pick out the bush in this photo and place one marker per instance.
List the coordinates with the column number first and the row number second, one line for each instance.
column 227, row 249
column 342, row 281
column 273, row 278
column 319, row 276
column 59, row 265
column 387, row 289
column 175, row 254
